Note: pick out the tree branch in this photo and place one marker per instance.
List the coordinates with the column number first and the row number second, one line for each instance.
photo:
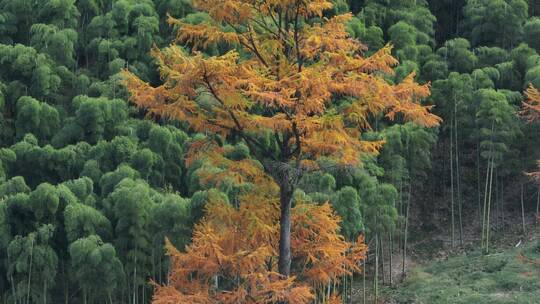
column 297, row 38
column 252, row 47
column 239, row 128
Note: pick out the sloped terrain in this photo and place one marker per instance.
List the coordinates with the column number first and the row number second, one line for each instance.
column 511, row 275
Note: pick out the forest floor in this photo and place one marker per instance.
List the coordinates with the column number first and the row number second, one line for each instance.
column 439, row 273
column 506, row 275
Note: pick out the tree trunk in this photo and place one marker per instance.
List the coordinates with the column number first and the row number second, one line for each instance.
column 523, row 210
column 376, row 280
column 143, row 294
column 484, row 209
column 401, row 213
column 458, row 182
column 391, row 251
column 496, row 200
column 135, row 289
column 502, row 204
column 13, row 289
column 351, row 284
column 452, row 219
column 406, row 228
column 344, row 290
column 160, row 270
column 478, row 184
column 381, row 249
column 30, row 271
column 284, row 264
column 452, row 216
column 537, row 205
column 154, row 260
column 488, row 217
column 364, row 282
column 66, row 284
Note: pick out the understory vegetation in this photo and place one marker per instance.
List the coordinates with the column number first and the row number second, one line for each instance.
column 503, row 276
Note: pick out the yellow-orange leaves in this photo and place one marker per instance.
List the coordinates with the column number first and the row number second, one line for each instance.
column 320, row 251
column 286, row 81
column 531, row 111
column 329, row 37
column 232, row 258
column 531, row 107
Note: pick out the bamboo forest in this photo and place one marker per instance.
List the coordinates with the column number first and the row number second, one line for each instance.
column 269, row 151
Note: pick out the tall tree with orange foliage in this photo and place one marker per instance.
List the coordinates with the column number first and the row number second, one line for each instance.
column 294, row 86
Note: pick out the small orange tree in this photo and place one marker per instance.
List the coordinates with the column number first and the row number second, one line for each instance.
column 531, row 112
column 531, row 106
column 231, row 257
column 295, row 87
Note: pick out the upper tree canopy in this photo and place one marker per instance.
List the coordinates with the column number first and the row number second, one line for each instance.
column 290, row 71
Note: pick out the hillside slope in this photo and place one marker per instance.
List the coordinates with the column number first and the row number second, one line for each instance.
column 510, row 275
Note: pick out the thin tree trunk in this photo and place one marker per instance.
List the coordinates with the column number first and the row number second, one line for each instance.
column 488, row 230
column 400, row 238
column 479, row 209
column 13, row 289
column 30, row 271
column 160, row 270
column 344, row 291
column 327, row 296
column 537, row 205
column 502, row 204
column 523, row 210
column 376, row 280
column 406, row 229
column 452, row 219
column 284, row 263
column 458, row 178
column 364, row 283
column 391, row 249
column 351, row 284
column 484, row 209
column 144, row 293
column 381, row 249
column 135, row 289
column 497, row 205
column 66, row 284
column 154, row 260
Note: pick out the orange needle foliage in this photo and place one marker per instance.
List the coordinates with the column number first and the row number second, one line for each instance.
column 232, row 257
column 531, row 107
column 285, row 81
column 531, row 111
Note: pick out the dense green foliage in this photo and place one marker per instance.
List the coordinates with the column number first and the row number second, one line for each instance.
column 89, row 189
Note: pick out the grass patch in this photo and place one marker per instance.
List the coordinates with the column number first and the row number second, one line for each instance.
column 501, row 277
